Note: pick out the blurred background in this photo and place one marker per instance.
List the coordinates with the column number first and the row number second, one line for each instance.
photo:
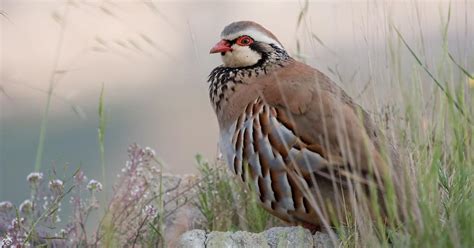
column 152, row 59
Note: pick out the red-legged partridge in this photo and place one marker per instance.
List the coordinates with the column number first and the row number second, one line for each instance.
column 291, row 132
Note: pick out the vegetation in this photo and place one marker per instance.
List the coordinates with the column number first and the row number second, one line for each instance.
column 435, row 135
column 132, row 217
column 227, row 204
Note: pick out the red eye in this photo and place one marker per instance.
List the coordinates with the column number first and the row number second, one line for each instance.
column 244, row 41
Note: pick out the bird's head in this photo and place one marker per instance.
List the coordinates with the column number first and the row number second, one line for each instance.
column 245, row 44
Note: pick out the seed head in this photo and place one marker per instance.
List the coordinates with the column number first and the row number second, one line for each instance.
column 5, row 206
column 94, row 185
column 26, row 207
column 34, row 178
column 56, row 186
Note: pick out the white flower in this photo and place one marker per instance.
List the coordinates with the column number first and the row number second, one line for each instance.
column 150, row 211
column 128, row 166
column 6, row 242
column 94, row 185
column 26, row 206
column 137, row 190
column 5, row 206
column 34, row 178
column 150, row 152
column 17, row 222
column 56, row 186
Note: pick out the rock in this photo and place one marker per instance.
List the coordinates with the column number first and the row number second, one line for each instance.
column 184, row 216
column 194, row 238
column 235, row 240
column 289, row 237
column 322, row 240
column 277, row 237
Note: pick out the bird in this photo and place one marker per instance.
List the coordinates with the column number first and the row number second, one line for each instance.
column 308, row 151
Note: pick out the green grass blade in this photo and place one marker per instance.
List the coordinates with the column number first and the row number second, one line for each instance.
column 52, row 82
column 464, row 70
column 101, row 134
column 435, row 80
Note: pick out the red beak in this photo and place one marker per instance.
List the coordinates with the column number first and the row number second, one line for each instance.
column 221, row 47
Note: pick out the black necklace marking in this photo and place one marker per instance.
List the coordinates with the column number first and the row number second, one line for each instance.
column 224, row 78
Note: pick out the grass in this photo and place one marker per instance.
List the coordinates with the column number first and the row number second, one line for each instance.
column 52, row 82
column 226, row 203
column 101, row 134
column 442, row 152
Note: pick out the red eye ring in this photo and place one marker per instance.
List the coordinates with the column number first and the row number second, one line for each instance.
column 244, row 41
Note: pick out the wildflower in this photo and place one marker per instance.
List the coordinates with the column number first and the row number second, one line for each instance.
column 94, row 185
column 34, row 178
column 80, row 177
column 137, row 190
column 6, row 242
column 132, row 148
column 62, row 233
column 16, row 223
column 150, row 152
column 5, row 206
column 471, row 83
column 150, row 211
column 56, row 186
column 26, row 207
column 94, row 203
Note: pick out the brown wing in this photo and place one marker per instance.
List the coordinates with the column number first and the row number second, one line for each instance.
column 328, row 122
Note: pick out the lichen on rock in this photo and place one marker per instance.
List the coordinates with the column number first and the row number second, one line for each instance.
column 272, row 238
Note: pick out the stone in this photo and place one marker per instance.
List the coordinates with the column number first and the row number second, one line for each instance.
column 194, row 238
column 323, row 240
column 277, row 237
column 289, row 237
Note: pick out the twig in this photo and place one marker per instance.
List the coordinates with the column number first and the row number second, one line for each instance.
column 47, row 213
column 138, row 231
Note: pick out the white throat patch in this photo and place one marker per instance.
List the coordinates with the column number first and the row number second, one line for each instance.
column 240, row 56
